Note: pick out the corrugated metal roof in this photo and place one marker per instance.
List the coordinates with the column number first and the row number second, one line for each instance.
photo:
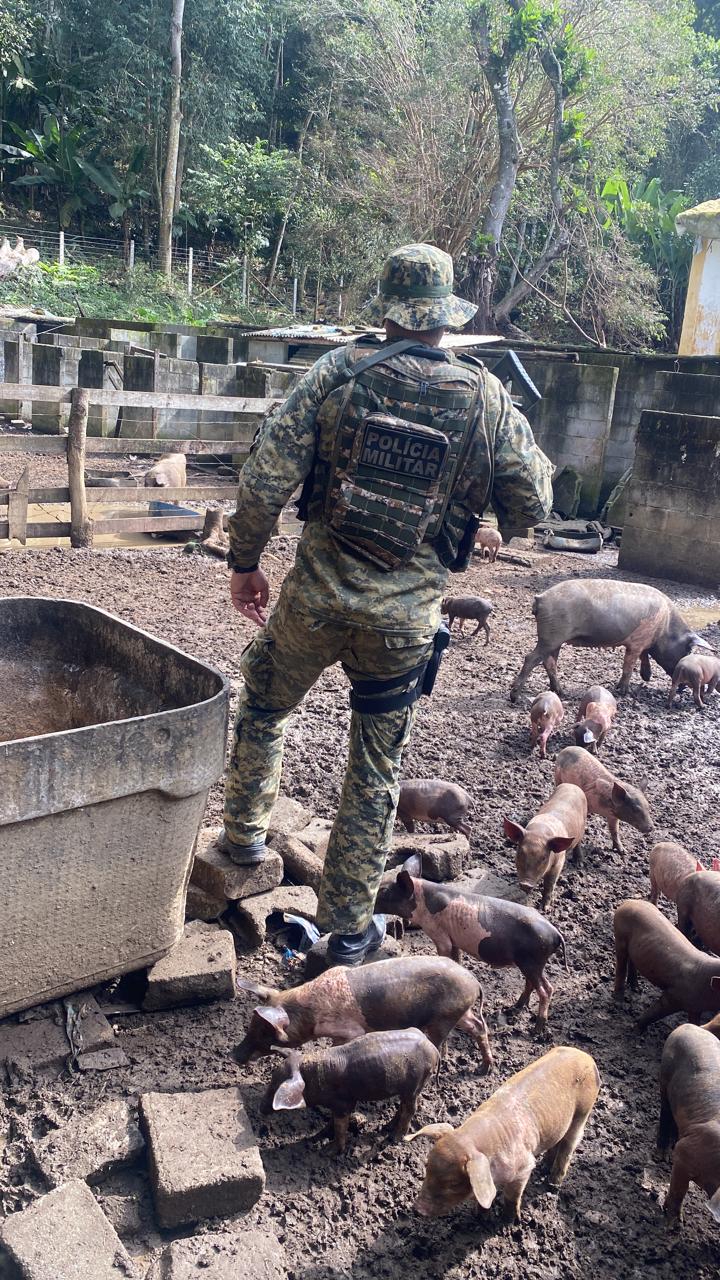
column 336, row 335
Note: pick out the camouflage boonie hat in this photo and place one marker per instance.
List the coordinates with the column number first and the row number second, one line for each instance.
column 416, row 291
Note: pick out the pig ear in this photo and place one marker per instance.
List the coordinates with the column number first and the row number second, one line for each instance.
column 715, row 981
column 699, row 642
column 290, row 1094
column 588, row 736
column 277, row 1019
column 413, row 865
column 699, row 866
column 513, row 830
column 716, row 864
column 619, row 792
column 404, row 882
column 481, row 1181
column 255, row 989
column 430, row 1131
column 559, row 844
column 714, row 1205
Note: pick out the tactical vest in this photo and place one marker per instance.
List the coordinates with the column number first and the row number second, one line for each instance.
column 399, row 444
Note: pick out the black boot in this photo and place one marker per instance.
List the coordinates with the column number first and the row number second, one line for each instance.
column 244, row 855
column 353, row 948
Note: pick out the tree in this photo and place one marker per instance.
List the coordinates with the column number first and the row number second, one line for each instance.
column 170, row 186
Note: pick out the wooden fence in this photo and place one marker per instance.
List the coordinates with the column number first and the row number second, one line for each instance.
column 77, row 445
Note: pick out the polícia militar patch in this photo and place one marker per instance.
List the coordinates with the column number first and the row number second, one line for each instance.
column 402, row 450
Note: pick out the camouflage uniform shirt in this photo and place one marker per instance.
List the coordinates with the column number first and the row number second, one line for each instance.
column 331, row 582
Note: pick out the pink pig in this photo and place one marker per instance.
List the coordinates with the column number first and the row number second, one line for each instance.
column 546, row 715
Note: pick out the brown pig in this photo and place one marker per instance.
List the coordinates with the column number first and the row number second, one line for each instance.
column 382, row 1064
column 690, row 1115
column 647, row 943
column 670, row 864
column 499, row 932
column 546, row 715
column 698, row 906
column 544, row 1107
column 169, row 473
column 595, row 716
column 596, row 613
column 432, row 800
column 476, row 608
column 606, row 795
column 489, row 540
column 428, row 992
column 700, row 672
column 555, row 830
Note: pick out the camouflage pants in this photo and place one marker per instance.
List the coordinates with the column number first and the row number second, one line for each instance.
column 279, row 667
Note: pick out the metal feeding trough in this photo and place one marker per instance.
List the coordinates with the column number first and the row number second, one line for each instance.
column 109, row 742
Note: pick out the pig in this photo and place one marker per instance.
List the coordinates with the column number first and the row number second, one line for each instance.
column 556, row 829
column 670, row 864
column 474, row 607
column 169, row 473
column 489, row 540
column 700, row 672
column 105, row 482
column 428, row 992
column 690, row 1115
column 713, row 1025
column 379, row 1065
column 432, row 800
column 606, row 795
column 597, row 613
column 595, row 716
column 647, row 943
column 546, row 715
column 544, row 1107
column 698, row 907
column 499, row 932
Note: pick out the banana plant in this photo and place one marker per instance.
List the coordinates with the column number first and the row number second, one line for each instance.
column 62, row 162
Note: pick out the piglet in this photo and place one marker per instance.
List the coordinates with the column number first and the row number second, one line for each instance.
column 698, row 906
column 595, row 716
column 556, row 829
column 606, row 795
column 670, row 864
column 700, row 672
column 647, row 943
column 499, row 932
column 546, row 715
column 475, row 608
column 690, row 1115
column 544, row 1107
column 169, row 473
column 489, row 540
column 427, row 992
column 432, row 800
column 382, row 1064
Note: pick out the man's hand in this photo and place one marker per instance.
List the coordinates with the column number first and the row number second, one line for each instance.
column 249, row 593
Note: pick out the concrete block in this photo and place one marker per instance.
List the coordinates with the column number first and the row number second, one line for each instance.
column 204, row 1162
column 201, row 905
column 288, row 817
column 252, row 913
column 43, row 1043
column 443, row 856
column 480, row 880
column 218, row 874
column 200, row 967
column 299, row 862
column 92, row 1146
column 317, row 960
column 89, row 1028
column 66, row 1236
column 316, row 835
column 252, row 1255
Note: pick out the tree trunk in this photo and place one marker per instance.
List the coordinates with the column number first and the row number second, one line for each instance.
column 81, row 526
column 291, row 200
column 167, row 204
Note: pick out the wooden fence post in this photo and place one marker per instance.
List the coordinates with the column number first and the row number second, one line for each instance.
column 81, row 526
column 17, row 508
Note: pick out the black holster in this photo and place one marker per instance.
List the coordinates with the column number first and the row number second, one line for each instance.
column 366, row 696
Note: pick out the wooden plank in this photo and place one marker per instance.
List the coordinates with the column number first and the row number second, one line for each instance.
column 17, row 508
column 141, row 399
column 81, row 533
column 121, row 526
column 53, row 445
column 194, row 493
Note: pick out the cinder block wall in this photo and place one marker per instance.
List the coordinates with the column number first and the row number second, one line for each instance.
column 672, row 528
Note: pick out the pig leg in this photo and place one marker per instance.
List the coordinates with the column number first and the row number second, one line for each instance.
column 550, row 665
column 566, row 1146
column 408, row 824
column 549, row 882
column 672, row 691
column 661, row 1009
column 621, row 968
column 340, row 1126
column 679, row 1184
column 645, row 668
column 513, row 1193
column 629, row 661
column 402, row 1119
column 545, row 992
column 632, row 977
column 476, row 1027
column 667, row 1129
column 461, row 626
column 615, row 837
column 524, row 998
column 532, row 661
column 697, row 693
column 654, row 891
column 493, row 555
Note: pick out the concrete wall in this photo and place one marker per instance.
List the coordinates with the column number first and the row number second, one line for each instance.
column 672, row 527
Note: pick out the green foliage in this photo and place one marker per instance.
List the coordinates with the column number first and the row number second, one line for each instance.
column 241, row 183
column 62, row 159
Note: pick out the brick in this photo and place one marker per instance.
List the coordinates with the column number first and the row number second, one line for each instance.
column 300, row 864
column 316, row 961
column 200, row 967
column 218, row 874
column 92, row 1146
column 201, row 905
column 204, row 1162
column 443, row 855
column 253, row 913
column 287, row 818
column 252, row 1255
column 66, row 1236
column 43, row 1043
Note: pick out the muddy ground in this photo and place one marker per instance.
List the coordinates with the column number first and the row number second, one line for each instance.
column 352, row 1216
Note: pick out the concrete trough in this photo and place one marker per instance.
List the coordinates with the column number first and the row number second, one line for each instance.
column 109, row 742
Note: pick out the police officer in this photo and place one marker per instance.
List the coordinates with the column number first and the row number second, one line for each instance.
column 400, row 446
